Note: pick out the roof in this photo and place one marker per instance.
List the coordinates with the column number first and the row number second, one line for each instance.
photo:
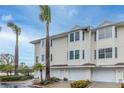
column 119, row 64
column 87, row 28
column 111, row 24
column 89, row 64
column 62, row 34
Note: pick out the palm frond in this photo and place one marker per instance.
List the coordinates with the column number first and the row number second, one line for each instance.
column 45, row 15
column 14, row 27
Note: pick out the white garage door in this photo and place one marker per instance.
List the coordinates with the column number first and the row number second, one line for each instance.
column 78, row 74
column 104, row 74
column 55, row 73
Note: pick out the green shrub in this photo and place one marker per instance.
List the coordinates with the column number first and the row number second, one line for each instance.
column 54, row 79
column 79, row 84
column 15, row 78
column 45, row 82
column 65, row 79
column 122, row 85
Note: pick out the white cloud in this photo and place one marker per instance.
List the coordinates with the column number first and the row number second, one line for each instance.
column 6, row 18
column 73, row 12
column 8, row 35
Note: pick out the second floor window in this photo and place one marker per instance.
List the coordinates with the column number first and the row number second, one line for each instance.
column 51, row 43
column 83, row 35
column 42, row 43
column 71, row 37
column 116, row 32
column 77, row 54
column 77, row 36
column 95, row 36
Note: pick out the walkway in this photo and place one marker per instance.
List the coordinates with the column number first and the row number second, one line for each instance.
column 104, row 85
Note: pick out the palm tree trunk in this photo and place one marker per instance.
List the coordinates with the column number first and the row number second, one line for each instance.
column 16, row 55
column 41, row 75
column 47, row 53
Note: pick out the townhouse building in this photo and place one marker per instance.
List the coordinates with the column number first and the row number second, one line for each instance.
column 85, row 53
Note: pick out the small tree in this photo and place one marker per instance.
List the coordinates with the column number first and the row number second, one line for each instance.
column 2, row 67
column 8, row 68
column 39, row 67
column 25, row 70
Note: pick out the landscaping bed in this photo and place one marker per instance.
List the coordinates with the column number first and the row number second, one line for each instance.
column 80, row 84
column 46, row 82
column 14, row 78
column 122, row 85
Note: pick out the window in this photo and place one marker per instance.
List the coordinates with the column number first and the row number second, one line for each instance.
column 116, row 52
column 101, row 53
column 36, row 59
column 67, row 55
column 83, row 34
column 83, row 55
column 42, row 57
column 116, row 32
column 105, row 53
column 77, row 54
column 108, row 52
column 71, row 55
column 51, row 57
column 42, row 43
column 105, row 33
column 71, row 37
column 77, row 36
column 94, row 54
column 51, row 43
column 95, row 36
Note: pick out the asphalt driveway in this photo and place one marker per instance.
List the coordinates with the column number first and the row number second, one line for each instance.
column 104, row 85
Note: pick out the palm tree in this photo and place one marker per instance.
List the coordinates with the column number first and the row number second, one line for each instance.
column 39, row 67
column 45, row 16
column 0, row 28
column 17, row 31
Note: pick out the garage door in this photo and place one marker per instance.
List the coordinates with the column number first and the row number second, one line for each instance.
column 78, row 74
column 55, row 73
column 104, row 74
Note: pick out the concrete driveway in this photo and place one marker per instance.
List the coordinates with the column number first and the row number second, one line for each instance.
column 104, row 85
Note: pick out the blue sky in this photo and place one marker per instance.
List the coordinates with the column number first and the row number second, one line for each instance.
column 64, row 18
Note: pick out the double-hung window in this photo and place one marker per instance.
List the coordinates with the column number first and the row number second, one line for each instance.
column 42, row 57
column 77, row 36
column 51, row 57
column 77, row 54
column 94, row 54
column 71, row 37
column 116, row 52
column 83, row 54
column 83, row 35
column 71, row 55
column 42, row 43
column 36, row 59
column 101, row 54
column 108, row 52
